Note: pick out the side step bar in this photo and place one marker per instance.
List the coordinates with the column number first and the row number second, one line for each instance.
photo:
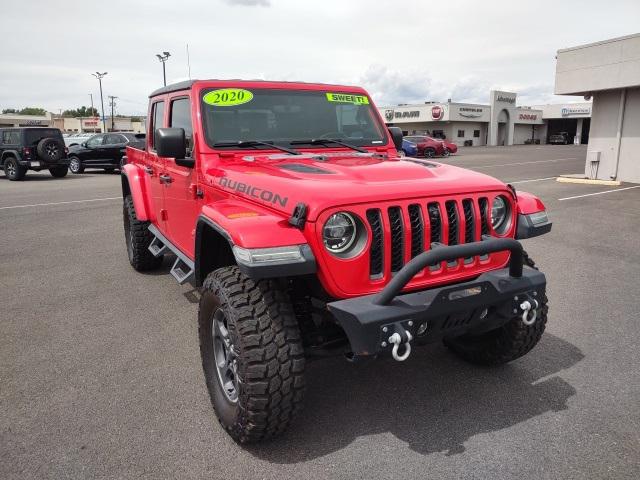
column 183, row 268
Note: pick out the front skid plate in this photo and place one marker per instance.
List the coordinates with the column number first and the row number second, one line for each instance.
column 450, row 310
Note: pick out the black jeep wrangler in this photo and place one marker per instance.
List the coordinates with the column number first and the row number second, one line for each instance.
column 32, row 148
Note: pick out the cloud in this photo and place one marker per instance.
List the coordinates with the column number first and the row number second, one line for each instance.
column 249, row 3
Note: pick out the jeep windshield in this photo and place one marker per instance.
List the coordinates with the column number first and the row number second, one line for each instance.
column 289, row 117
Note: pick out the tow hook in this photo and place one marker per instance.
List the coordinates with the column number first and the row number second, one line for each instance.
column 528, row 307
column 396, row 339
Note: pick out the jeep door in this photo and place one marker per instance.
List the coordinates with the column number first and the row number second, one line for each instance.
column 181, row 202
column 154, row 166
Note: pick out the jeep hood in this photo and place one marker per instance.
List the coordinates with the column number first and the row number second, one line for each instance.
column 336, row 179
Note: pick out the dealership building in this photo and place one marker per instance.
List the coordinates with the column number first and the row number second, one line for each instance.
column 501, row 122
column 609, row 72
column 73, row 124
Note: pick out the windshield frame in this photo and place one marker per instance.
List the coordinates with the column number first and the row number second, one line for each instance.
column 375, row 116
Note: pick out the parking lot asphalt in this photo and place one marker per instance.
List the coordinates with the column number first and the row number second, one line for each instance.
column 100, row 373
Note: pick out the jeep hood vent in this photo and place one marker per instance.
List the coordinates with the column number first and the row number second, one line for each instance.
column 420, row 162
column 301, row 168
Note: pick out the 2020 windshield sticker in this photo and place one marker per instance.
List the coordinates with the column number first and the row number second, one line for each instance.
column 227, row 97
column 348, row 98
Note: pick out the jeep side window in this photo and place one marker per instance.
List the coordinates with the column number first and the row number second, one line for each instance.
column 181, row 118
column 156, row 122
column 6, row 137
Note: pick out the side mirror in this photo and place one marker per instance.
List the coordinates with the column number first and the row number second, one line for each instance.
column 396, row 136
column 170, row 143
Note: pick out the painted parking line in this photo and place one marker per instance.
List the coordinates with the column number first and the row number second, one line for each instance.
column 532, row 180
column 524, row 163
column 62, row 203
column 598, row 193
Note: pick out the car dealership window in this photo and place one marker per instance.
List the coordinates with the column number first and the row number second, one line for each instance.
column 476, row 134
column 460, row 133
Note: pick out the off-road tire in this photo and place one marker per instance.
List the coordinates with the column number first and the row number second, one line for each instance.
column 75, row 167
column 59, row 172
column 504, row 344
column 13, row 170
column 268, row 349
column 50, row 149
column 138, row 238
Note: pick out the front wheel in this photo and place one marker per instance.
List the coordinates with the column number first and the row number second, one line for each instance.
column 59, row 172
column 252, row 354
column 506, row 343
column 75, row 165
column 446, row 152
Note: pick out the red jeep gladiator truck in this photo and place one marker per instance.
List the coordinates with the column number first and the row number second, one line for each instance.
column 288, row 205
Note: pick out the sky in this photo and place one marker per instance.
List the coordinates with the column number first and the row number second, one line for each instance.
column 402, row 51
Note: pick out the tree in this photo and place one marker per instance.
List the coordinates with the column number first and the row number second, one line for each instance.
column 33, row 111
column 9, row 110
column 81, row 112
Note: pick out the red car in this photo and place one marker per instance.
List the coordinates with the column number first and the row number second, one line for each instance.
column 431, row 147
column 288, row 206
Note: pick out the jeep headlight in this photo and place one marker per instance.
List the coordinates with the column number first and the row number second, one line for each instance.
column 500, row 214
column 339, row 232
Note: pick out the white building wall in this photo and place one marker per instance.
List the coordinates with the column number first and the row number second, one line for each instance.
column 602, row 136
column 521, row 132
column 468, row 129
column 629, row 169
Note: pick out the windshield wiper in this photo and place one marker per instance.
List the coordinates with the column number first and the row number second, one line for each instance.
column 325, row 141
column 256, row 143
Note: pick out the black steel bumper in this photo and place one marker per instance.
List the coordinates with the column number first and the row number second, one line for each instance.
column 474, row 306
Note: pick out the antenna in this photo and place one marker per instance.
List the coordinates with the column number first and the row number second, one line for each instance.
column 188, row 62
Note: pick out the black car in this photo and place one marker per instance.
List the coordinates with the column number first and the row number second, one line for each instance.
column 104, row 150
column 32, row 148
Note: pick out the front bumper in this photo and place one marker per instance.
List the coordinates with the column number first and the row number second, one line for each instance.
column 475, row 306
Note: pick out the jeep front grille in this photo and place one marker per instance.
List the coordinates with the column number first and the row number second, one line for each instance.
column 413, row 228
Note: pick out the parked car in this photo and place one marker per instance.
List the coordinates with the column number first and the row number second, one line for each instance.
column 32, row 148
column 72, row 139
column 560, row 138
column 321, row 242
column 427, row 146
column 410, row 149
column 103, row 150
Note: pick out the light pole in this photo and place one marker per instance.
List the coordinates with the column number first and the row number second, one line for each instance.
column 112, row 104
column 99, row 76
column 163, row 58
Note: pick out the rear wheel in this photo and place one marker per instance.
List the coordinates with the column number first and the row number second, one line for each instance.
column 138, row 239
column 513, row 340
column 75, row 165
column 252, row 354
column 13, row 170
column 59, row 172
column 429, row 152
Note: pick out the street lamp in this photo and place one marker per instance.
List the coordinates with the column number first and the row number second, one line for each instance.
column 99, row 76
column 163, row 58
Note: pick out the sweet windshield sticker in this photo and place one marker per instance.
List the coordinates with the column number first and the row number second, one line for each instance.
column 348, row 98
column 227, row 97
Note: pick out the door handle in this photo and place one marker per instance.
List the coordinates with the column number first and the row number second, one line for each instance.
column 165, row 179
column 149, row 170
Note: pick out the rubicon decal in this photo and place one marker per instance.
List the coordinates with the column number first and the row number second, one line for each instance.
column 253, row 191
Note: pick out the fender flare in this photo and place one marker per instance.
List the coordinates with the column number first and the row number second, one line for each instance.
column 529, row 203
column 244, row 225
column 134, row 184
column 10, row 153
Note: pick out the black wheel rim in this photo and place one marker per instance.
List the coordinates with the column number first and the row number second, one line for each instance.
column 224, row 356
column 52, row 150
column 429, row 153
